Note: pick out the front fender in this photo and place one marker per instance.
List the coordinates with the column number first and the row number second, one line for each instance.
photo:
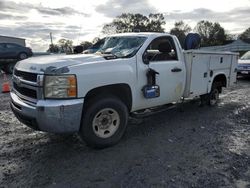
column 94, row 75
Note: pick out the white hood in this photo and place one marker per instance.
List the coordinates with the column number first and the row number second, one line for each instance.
column 44, row 64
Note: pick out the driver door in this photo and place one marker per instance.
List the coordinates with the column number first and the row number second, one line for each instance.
column 163, row 58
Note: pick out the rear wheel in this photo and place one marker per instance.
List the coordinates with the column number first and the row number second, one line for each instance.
column 212, row 98
column 104, row 122
column 23, row 55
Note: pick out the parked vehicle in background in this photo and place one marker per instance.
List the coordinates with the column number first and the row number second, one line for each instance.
column 135, row 74
column 244, row 64
column 10, row 53
column 14, row 51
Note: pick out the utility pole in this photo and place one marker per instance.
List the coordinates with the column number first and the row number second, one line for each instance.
column 51, row 40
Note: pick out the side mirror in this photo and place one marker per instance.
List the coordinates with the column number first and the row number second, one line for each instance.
column 145, row 58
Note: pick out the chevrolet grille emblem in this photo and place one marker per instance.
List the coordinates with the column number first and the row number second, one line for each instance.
column 18, row 81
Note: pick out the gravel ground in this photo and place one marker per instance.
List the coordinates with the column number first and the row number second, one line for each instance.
column 188, row 146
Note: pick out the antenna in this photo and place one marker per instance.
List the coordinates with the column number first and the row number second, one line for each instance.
column 79, row 34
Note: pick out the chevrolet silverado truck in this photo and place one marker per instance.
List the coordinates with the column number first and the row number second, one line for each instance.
column 133, row 74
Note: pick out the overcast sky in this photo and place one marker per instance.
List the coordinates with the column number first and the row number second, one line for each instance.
column 81, row 20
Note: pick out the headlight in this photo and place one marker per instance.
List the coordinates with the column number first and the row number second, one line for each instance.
column 56, row 87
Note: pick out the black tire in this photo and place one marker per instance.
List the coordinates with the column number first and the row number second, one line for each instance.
column 92, row 111
column 212, row 98
column 9, row 68
column 22, row 56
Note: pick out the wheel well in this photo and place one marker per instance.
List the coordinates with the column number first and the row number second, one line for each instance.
column 222, row 80
column 22, row 52
column 122, row 91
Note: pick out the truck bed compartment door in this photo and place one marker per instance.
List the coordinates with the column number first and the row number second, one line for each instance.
column 199, row 74
column 219, row 62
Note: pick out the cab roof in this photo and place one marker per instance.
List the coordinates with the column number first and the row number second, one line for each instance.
column 141, row 34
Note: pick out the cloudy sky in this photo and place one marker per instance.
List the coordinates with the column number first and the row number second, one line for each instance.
column 81, row 20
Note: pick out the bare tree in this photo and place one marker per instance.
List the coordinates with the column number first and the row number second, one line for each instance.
column 211, row 33
column 128, row 22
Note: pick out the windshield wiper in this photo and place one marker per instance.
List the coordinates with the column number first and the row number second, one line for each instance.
column 109, row 56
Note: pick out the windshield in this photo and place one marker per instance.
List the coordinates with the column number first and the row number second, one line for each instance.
column 98, row 44
column 246, row 56
column 122, row 47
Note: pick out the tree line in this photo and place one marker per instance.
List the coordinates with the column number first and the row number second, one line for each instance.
column 212, row 33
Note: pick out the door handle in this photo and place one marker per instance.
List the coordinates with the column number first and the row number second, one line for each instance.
column 176, row 69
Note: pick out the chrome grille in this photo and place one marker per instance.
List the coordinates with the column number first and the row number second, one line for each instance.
column 32, row 77
column 25, row 91
column 26, row 86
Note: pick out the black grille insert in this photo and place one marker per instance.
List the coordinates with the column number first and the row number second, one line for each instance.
column 26, row 75
column 25, row 91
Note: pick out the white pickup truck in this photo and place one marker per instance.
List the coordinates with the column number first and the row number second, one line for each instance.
column 95, row 94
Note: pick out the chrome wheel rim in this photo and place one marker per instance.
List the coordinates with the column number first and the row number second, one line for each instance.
column 106, row 122
column 214, row 97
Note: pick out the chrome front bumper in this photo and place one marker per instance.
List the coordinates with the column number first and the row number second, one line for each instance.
column 56, row 116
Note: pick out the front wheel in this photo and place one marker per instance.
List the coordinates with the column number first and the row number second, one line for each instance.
column 104, row 122
column 9, row 68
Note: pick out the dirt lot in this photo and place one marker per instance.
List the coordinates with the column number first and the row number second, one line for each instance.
column 188, row 146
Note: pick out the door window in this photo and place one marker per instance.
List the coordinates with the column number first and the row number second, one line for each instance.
column 162, row 49
column 2, row 46
column 11, row 45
